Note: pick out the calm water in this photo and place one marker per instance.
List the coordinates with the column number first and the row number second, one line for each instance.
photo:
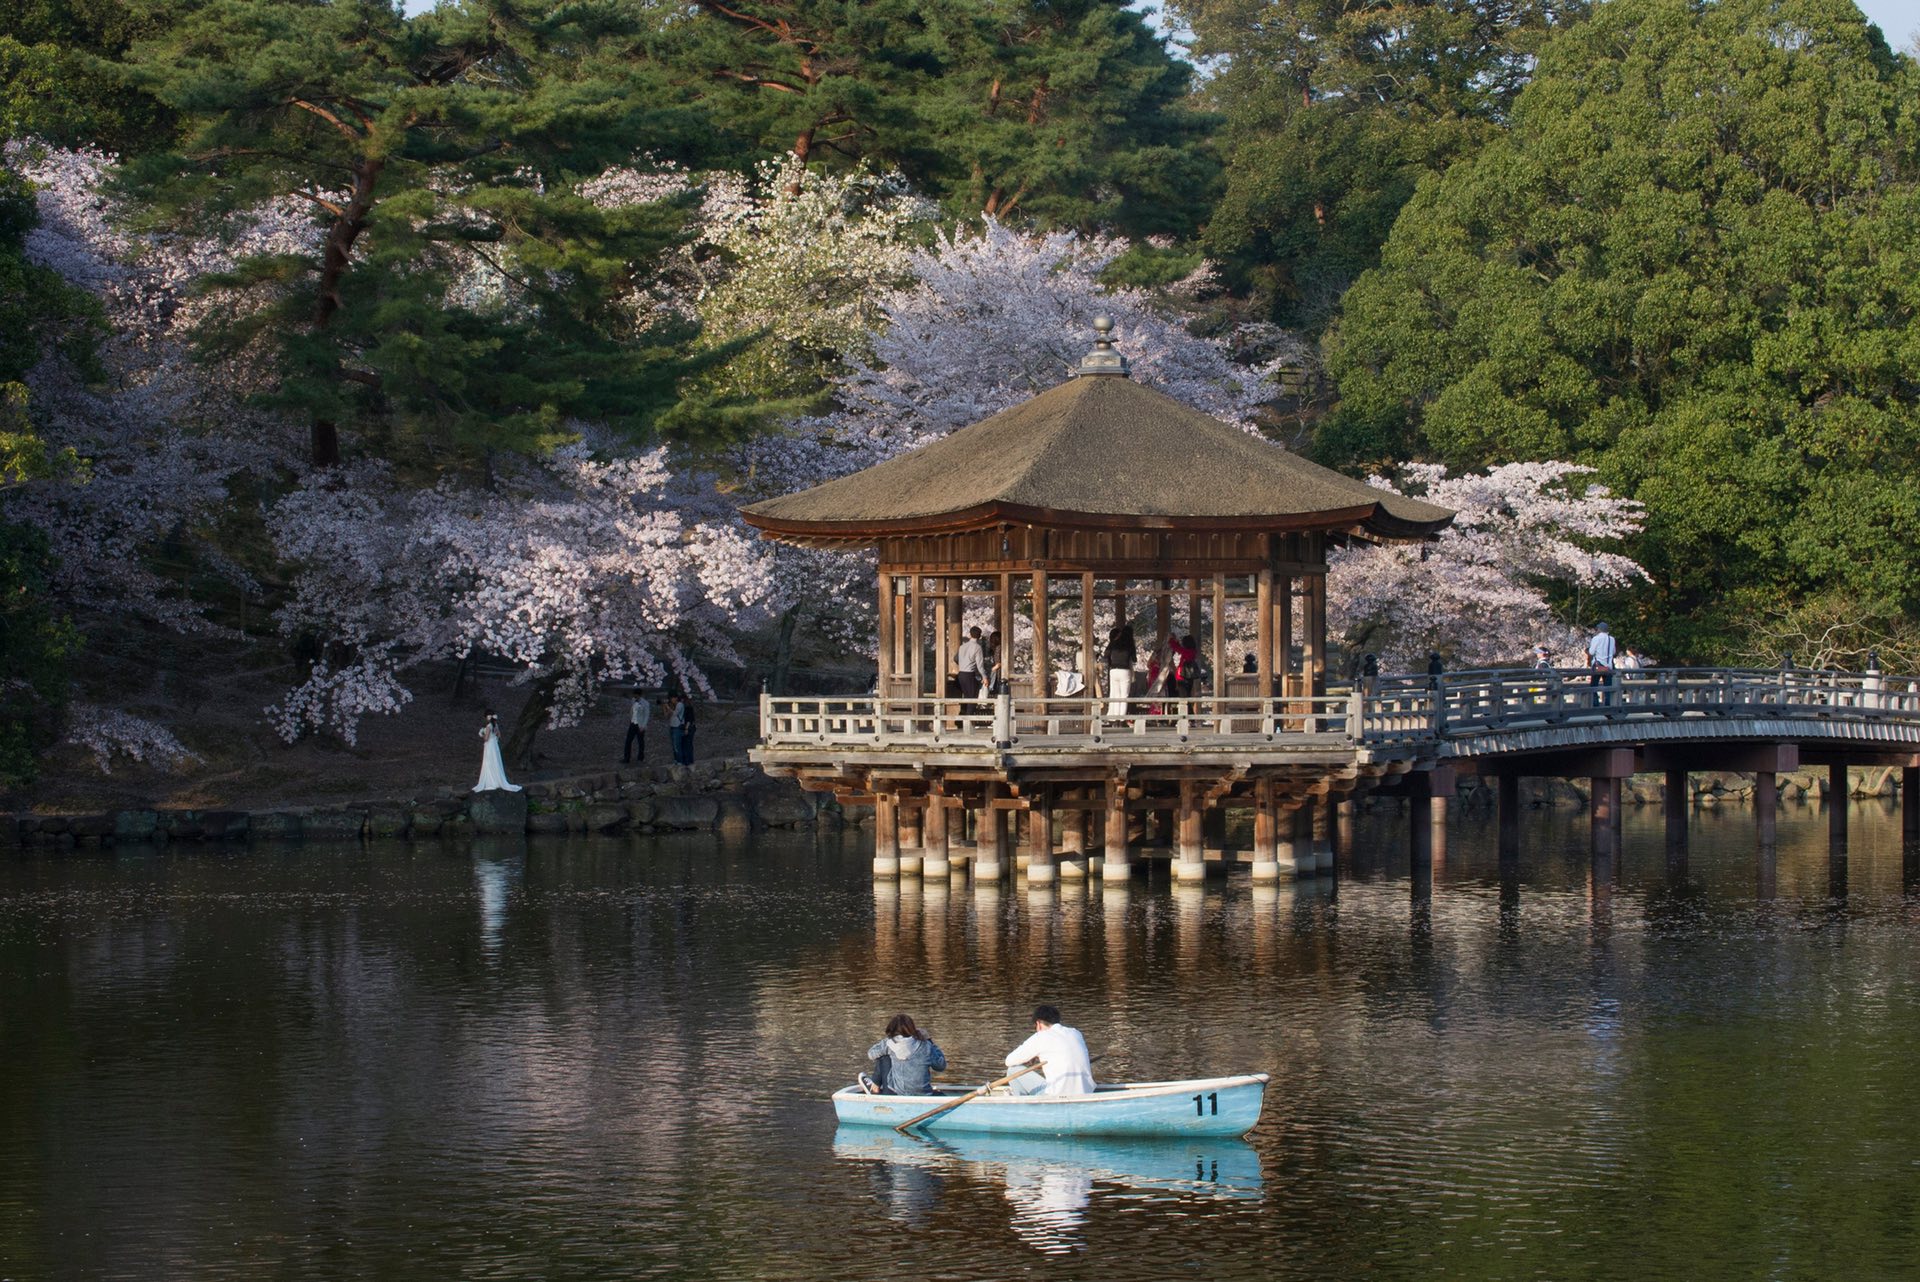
column 607, row 1059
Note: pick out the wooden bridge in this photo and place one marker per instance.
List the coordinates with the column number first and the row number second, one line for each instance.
column 1071, row 763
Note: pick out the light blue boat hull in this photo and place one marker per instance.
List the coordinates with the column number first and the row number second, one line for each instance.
column 1210, row 1106
column 1217, row 1166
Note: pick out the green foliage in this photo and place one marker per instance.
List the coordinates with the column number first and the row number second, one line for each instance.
column 1073, row 114
column 1334, row 113
column 37, row 648
column 465, row 294
column 1690, row 261
column 55, row 85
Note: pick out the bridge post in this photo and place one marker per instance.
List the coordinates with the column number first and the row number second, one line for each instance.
column 1837, row 802
column 1190, row 858
column 1420, row 821
column 1040, row 866
column 1766, row 806
column 1323, row 835
column 1605, row 811
column 908, row 826
column 989, row 839
column 1910, row 803
column 1677, row 804
column 1075, row 856
column 1266, row 835
column 886, row 835
column 934, row 860
column 1437, row 820
column 1509, row 818
column 1114, row 866
column 1293, row 851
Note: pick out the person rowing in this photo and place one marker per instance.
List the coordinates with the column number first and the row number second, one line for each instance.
column 1061, row 1052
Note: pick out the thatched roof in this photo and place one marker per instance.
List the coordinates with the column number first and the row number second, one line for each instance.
column 1096, row 452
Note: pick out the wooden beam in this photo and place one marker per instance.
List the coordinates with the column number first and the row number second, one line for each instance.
column 886, row 629
column 1088, row 672
column 1263, row 627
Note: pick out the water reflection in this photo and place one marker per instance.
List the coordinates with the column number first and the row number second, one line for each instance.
column 1049, row 1183
column 499, row 866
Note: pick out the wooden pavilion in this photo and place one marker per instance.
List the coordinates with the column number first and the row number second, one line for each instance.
column 1096, row 502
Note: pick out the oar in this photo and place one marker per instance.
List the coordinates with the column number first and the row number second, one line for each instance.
column 904, row 1127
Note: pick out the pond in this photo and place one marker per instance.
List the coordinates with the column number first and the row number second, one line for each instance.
column 588, row 1059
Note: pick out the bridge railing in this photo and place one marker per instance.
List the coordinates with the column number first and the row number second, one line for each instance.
column 1385, row 710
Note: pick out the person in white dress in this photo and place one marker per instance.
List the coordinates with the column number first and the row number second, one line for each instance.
column 493, row 775
column 1065, row 1068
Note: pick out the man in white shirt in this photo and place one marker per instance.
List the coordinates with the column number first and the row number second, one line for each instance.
column 637, row 729
column 1601, row 649
column 1065, row 1068
column 972, row 662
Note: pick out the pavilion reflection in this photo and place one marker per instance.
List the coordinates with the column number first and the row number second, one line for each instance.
column 1049, row 1182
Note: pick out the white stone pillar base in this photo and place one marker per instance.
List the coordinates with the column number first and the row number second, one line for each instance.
column 986, row 870
column 1073, row 870
column 936, row 866
column 886, row 867
column 1190, row 870
column 1116, row 870
column 1266, row 870
column 910, row 863
column 1042, row 873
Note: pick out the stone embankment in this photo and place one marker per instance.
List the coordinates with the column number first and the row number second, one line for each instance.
column 1707, row 788
column 725, row 795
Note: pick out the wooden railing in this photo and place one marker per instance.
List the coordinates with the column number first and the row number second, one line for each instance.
column 1387, row 710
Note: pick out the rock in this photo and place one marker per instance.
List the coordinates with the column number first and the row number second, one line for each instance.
column 388, row 821
column 226, row 825
column 641, row 811
column 133, row 826
column 548, row 822
column 334, row 825
column 277, row 825
column 606, row 818
column 697, row 813
column 734, row 819
column 635, row 789
column 782, row 809
column 9, row 830
column 498, row 810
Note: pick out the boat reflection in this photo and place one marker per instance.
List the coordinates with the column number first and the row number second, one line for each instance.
column 1049, row 1182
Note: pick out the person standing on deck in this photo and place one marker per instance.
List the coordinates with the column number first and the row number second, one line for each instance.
column 1121, row 656
column 972, row 662
column 1602, row 648
column 1065, row 1068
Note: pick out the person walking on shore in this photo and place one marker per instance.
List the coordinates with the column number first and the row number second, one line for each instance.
column 637, row 719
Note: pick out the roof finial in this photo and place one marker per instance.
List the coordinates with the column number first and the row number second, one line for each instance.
column 1103, row 359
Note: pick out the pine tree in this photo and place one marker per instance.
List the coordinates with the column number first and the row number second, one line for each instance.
column 461, row 289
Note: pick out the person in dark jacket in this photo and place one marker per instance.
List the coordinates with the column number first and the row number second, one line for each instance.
column 905, row 1060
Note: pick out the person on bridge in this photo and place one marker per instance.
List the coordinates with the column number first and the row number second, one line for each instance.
column 1602, row 648
column 1120, row 658
column 972, row 662
column 1061, row 1052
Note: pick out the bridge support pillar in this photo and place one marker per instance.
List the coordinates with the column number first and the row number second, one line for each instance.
column 1910, row 803
column 1074, row 853
column 1114, row 865
column 1292, row 851
column 1190, row 857
column 989, row 841
column 1322, row 822
column 934, row 862
column 1605, row 813
column 1040, row 866
column 1766, row 806
column 1677, row 805
column 886, row 835
column 1437, row 818
column 1509, row 818
column 911, row 849
column 1420, row 822
column 1266, row 833
column 1837, row 802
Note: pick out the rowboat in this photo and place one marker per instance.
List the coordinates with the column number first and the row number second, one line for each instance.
column 1212, row 1166
column 1201, row 1106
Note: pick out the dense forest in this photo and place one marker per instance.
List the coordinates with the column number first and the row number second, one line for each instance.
column 389, row 340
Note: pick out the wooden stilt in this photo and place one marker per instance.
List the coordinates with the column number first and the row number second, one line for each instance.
column 1678, row 805
column 1509, row 802
column 934, row 861
column 1190, row 859
column 989, row 840
column 1604, row 811
column 1114, row 866
column 1420, row 821
column 1266, row 833
column 1910, row 803
column 1766, row 806
column 1837, row 802
column 886, row 835
column 1040, row 865
column 910, row 842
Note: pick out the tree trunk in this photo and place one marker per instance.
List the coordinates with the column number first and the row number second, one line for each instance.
column 518, row 747
column 335, row 258
column 783, row 651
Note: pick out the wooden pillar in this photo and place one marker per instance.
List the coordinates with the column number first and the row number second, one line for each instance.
column 1220, row 666
column 1837, row 802
column 1190, row 858
column 1420, row 821
column 885, row 677
column 1193, row 611
column 916, row 642
column 1678, row 804
column 1293, row 850
column 886, row 835
column 1162, row 615
column 1005, row 628
column 1089, row 655
column 1283, row 634
column 1040, row 865
column 1766, row 805
column 1114, row 865
column 1263, row 628
column 1509, row 802
column 934, row 861
column 942, row 653
column 989, row 839
column 1437, row 817
column 1910, row 803
column 1266, row 832
column 909, row 828
column 1604, row 813
column 1042, row 677
column 1073, row 825
column 1313, row 658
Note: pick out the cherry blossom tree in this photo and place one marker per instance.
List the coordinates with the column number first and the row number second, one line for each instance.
column 1478, row 595
column 583, row 568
